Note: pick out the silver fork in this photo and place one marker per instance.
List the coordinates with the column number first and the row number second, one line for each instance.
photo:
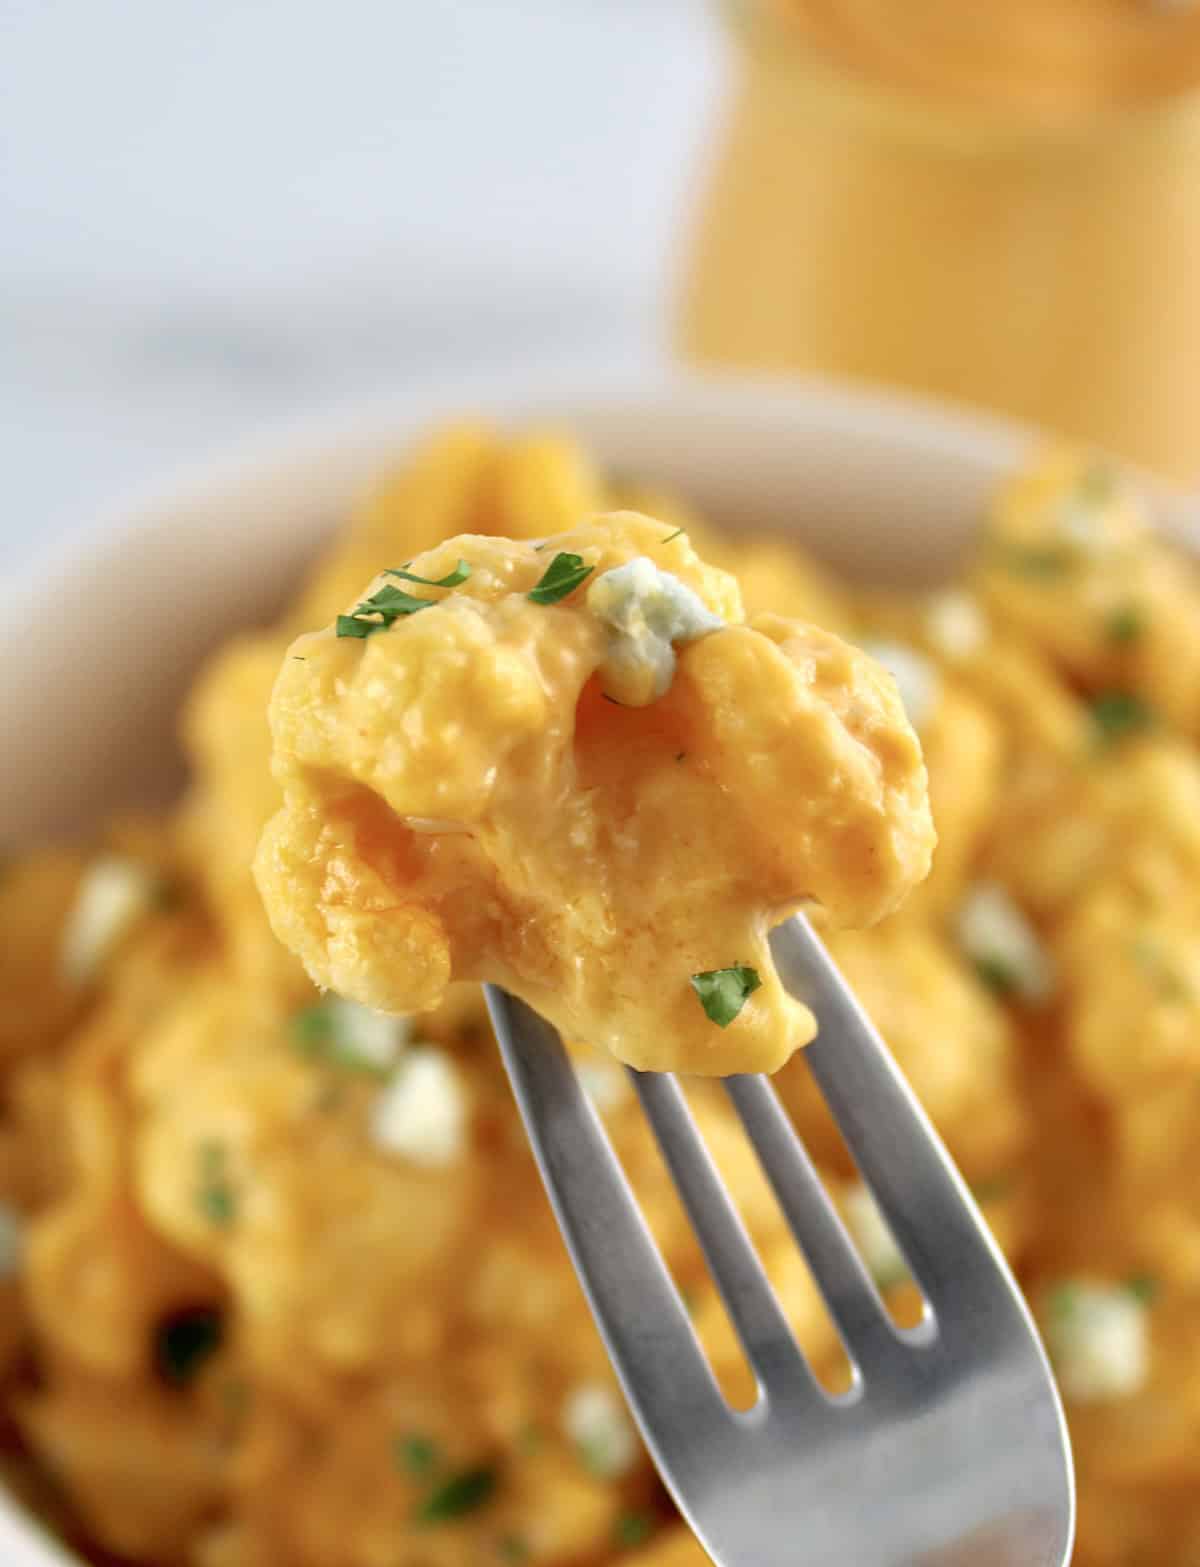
column 948, row 1450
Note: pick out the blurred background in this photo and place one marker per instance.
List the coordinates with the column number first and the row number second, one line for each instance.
column 216, row 215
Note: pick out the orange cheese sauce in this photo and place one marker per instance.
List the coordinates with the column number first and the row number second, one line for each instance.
column 466, row 799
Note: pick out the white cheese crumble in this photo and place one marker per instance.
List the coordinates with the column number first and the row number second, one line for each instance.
column 955, row 624
column 1097, row 1336
column 421, row 1112
column 113, row 896
column 648, row 612
column 11, row 1241
column 596, row 1422
column 605, row 1082
column 869, row 1232
column 364, row 1037
column 1002, row 944
column 916, row 677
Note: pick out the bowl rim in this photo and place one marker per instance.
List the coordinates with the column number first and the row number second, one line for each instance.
column 273, row 447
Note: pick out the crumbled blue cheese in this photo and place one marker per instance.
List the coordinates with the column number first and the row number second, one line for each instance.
column 1002, row 944
column 114, row 895
column 1097, row 1336
column 916, row 677
column 363, row 1037
column 421, row 1112
column 648, row 613
column 955, row 625
column 869, row 1231
column 605, row 1082
column 11, row 1241
column 597, row 1424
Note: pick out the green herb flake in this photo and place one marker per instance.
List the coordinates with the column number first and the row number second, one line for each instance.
column 459, row 575
column 512, row 1548
column 416, row 1455
column 215, row 1196
column 463, row 1493
column 723, row 991
column 1143, row 1287
column 671, row 537
column 389, row 604
column 314, row 1034
column 1062, row 1301
column 993, row 1190
column 1116, row 715
column 311, row 1031
column 1125, row 625
column 562, row 576
column 631, row 1529
column 184, row 1341
column 1045, row 562
column 530, row 1439
column 999, row 977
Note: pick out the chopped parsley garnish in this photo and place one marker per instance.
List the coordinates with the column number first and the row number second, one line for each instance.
column 1062, row 1301
column 1118, row 714
column 389, row 604
column 417, row 1455
column 672, row 536
column 1125, row 625
column 317, row 1034
column 215, row 1196
column 562, row 576
column 530, row 1439
column 631, row 1529
column 723, row 991
column 999, row 976
column 1044, row 561
column 992, row 1190
column 464, row 1492
column 184, row 1341
column 1143, row 1287
column 452, row 580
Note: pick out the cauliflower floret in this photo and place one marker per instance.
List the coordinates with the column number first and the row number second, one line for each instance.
column 464, row 798
column 1073, row 566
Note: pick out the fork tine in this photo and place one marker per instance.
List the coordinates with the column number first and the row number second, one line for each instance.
column 853, row 1302
column 745, row 1288
column 920, row 1193
column 644, row 1323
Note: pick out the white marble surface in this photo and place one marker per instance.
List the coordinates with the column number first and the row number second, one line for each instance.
column 215, row 213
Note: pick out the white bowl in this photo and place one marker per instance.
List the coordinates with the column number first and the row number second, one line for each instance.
column 98, row 645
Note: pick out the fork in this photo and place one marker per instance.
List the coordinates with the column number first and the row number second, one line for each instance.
column 949, row 1448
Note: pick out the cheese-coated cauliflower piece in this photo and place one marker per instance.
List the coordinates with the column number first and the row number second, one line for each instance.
column 571, row 767
column 1074, row 567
